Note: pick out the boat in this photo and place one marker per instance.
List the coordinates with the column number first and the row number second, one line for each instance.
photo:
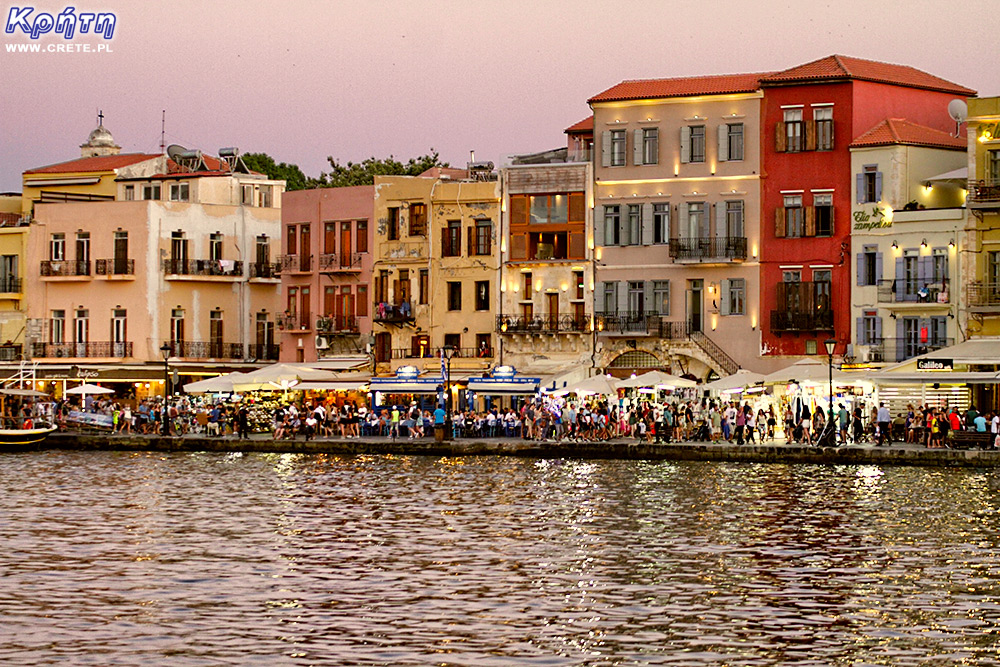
column 13, row 439
column 23, row 439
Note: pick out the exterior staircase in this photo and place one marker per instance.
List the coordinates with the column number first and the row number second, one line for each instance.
column 715, row 353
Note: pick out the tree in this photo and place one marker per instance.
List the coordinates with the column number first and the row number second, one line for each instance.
column 294, row 178
column 364, row 173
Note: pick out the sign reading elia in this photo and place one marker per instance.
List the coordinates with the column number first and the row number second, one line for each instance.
column 935, row 365
column 877, row 219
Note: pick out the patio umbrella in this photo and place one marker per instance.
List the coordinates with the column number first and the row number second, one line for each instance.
column 220, row 384
column 655, row 379
column 85, row 389
column 280, row 377
column 24, row 393
column 808, row 370
column 599, row 384
column 738, row 380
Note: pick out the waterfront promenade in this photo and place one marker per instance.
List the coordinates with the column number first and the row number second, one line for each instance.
column 622, row 448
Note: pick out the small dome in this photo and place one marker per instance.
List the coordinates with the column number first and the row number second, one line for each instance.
column 100, row 137
column 100, row 142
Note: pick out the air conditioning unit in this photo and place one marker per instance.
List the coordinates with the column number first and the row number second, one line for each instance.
column 322, row 343
column 864, row 353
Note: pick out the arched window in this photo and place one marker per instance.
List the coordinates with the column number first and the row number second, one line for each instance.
column 635, row 359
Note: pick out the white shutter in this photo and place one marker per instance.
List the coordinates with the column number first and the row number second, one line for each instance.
column 598, row 226
column 622, row 296
column 685, row 144
column 646, row 225
column 724, row 306
column 637, row 147
column 668, row 299
column 647, row 297
column 720, row 219
column 723, row 142
column 606, row 148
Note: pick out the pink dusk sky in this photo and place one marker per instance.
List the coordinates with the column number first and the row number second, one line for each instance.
column 304, row 80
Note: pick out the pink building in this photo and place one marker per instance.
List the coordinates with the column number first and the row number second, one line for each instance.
column 326, row 268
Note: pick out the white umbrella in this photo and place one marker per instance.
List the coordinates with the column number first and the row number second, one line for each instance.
column 599, row 384
column 85, row 389
column 220, row 384
column 656, row 379
column 808, row 370
column 280, row 376
column 738, row 380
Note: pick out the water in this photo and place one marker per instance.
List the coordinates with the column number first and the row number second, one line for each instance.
column 205, row 559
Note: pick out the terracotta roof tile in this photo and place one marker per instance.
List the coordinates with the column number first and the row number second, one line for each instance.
column 688, row 86
column 585, row 125
column 846, row 67
column 901, row 131
column 91, row 164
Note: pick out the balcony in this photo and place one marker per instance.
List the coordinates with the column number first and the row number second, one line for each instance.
column 984, row 194
column 295, row 263
column 542, row 324
column 791, row 321
column 641, row 324
column 333, row 324
column 65, row 267
column 10, row 352
column 115, row 267
column 900, row 349
column 432, row 353
column 10, row 286
column 267, row 270
column 403, row 250
column 80, row 350
column 913, row 291
column 336, row 263
column 264, row 351
column 221, row 268
column 983, row 297
column 392, row 313
column 709, row 249
column 191, row 349
column 294, row 321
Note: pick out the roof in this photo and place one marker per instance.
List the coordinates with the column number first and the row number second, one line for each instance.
column 585, row 125
column 984, row 351
column 846, row 67
column 96, row 163
column 901, row 131
column 688, row 86
column 446, row 172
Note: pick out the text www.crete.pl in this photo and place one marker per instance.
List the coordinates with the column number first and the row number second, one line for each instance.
column 58, row 48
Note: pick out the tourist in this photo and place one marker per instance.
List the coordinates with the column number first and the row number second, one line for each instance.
column 883, row 419
column 980, row 423
column 806, row 423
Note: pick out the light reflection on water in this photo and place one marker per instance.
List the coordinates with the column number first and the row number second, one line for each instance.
column 128, row 558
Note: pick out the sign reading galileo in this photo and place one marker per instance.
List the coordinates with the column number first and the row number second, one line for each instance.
column 877, row 219
column 935, row 364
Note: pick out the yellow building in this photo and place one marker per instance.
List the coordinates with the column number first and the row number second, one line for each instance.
column 982, row 277
column 435, row 270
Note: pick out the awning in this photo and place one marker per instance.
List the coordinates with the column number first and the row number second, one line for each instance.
column 936, row 377
column 960, row 176
column 335, row 385
column 513, row 387
column 344, row 363
column 975, row 351
column 394, row 386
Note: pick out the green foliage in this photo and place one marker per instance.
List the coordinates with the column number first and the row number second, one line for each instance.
column 294, row 178
column 364, row 173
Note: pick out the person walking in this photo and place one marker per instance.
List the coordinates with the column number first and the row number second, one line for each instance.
column 884, row 419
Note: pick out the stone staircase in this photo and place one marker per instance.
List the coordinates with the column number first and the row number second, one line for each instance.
column 715, row 353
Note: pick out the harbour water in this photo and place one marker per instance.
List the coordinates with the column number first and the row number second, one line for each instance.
column 115, row 558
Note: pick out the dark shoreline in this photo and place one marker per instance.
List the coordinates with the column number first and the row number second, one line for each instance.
column 616, row 449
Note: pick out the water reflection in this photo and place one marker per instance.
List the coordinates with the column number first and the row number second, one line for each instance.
column 122, row 558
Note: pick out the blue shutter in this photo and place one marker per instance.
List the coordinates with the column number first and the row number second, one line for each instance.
column 859, row 184
column 900, row 343
column 878, row 267
column 861, row 269
column 878, row 186
column 925, row 270
column 898, row 288
column 860, row 335
column 878, row 330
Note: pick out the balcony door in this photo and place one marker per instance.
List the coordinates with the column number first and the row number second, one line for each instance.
column 121, row 253
column 345, row 244
column 177, row 332
column 264, row 336
column 81, row 332
column 119, row 333
column 694, row 304
column 553, row 307
column 346, row 314
column 215, row 334
column 8, row 273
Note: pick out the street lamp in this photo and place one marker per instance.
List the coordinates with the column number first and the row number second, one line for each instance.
column 447, row 352
column 830, row 344
column 165, row 350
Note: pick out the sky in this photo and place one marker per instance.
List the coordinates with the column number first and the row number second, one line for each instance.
column 303, row 80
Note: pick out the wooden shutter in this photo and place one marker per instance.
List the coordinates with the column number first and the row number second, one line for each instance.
column 518, row 209
column 831, row 146
column 577, row 207
column 810, row 221
column 779, row 223
column 606, row 148
column 577, row 245
column 810, row 135
column 724, row 305
column 599, row 226
column 685, row 144
column 646, row 225
column 723, row 142
column 470, row 247
column 780, row 140
column 878, row 330
column 637, row 147
column 518, row 246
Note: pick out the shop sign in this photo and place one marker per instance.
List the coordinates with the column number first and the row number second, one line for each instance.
column 935, row 364
column 876, row 219
column 503, row 372
column 407, row 372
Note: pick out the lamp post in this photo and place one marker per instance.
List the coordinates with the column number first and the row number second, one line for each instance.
column 447, row 352
column 830, row 344
column 165, row 350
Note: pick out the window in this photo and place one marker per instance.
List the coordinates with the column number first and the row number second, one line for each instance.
column 697, row 220
column 392, row 224
column 418, row 219
column 483, row 243
column 246, row 195
column 734, row 141
column 734, row 219
column 179, row 191
column 57, row 247
column 636, row 297
column 451, row 242
column 291, row 240
column 791, row 276
column 177, row 328
column 869, row 266
column 454, row 296
column 661, row 297
column 611, row 297
column 424, row 286
column 612, row 222
column 993, row 167
column 578, row 283
column 869, row 184
column 178, row 247
column 119, row 332
column 81, row 328
column 824, row 128
column 83, row 246
column 661, row 223
column 793, row 130
column 215, row 247
column 993, row 270
column 329, row 238
column 57, row 333
column 697, row 143
column 544, row 209
column 453, row 340
column 484, row 345
column 617, row 148
column 734, row 293
column 811, row 347
column 823, row 205
column 631, row 236
column 822, row 281
column 939, row 269
column 870, row 328
column 482, row 295
column 129, row 192
column 151, row 191
column 526, row 280
column 361, row 236
column 650, row 146
column 793, row 216
column 265, row 196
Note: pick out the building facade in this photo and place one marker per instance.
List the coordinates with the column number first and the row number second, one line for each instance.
column 326, row 268
column 811, row 114
column 982, row 283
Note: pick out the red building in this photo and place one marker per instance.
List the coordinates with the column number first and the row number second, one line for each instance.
column 810, row 115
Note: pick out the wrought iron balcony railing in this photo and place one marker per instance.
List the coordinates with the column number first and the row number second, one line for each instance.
column 99, row 349
column 295, row 263
column 550, row 324
column 333, row 262
column 709, row 248
column 912, row 291
column 984, row 193
column 65, row 267
column 790, row 321
column 432, row 352
column 901, row 349
column 265, row 351
column 265, row 270
column 194, row 349
column 983, row 295
column 292, row 321
column 337, row 324
column 115, row 267
column 11, row 286
column 203, row 267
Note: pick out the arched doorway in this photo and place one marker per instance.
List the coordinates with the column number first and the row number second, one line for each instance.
column 634, row 361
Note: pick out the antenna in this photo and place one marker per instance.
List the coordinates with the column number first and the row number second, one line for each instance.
column 163, row 130
column 959, row 111
column 174, row 152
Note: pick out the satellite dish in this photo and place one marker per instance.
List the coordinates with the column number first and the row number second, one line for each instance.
column 958, row 110
column 174, row 151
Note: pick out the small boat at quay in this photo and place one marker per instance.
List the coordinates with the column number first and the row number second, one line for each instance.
column 20, row 431
column 23, row 439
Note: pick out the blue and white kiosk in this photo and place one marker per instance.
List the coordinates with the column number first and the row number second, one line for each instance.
column 502, row 381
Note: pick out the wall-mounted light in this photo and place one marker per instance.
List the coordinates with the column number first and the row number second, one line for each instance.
column 892, row 315
column 951, row 243
column 895, row 245
column 923, row 243
column 951, row 315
